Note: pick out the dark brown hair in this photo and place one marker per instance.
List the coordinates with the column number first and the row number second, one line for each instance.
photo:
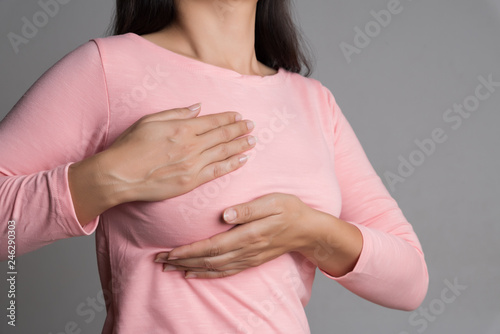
column 278, row 42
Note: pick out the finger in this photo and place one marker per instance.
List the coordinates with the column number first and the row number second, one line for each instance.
column 177, row 113
column 210, row 122
column 161, row 257
column 220, row 168
column 214, row 246
column 240, row 260
column 223, row 151
column 229, row 260
column 261, row 207
column 225, row 133
column 211, row 274
column 242, row 264
column 171, row 267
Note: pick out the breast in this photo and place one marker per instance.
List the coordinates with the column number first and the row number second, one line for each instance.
column 291, row 157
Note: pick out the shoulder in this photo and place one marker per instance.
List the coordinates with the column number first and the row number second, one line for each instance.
column 312, row 87
column 123, row 55
column 116, row 44
column 93, row 52
column 116, row 41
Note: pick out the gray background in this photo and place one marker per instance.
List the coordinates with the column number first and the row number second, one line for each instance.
column 395, row 91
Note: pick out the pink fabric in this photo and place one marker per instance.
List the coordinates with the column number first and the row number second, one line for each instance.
column 306, row 147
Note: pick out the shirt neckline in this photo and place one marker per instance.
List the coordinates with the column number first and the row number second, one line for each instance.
column 197, row 65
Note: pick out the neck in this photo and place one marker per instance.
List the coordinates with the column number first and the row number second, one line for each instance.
column 217, row 32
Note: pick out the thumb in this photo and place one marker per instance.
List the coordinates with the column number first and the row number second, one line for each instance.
column 176, row 113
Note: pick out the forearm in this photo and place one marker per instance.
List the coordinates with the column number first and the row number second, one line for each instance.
column 332, row 244
column 40, row 209
column 379, row 266
column 92, row 190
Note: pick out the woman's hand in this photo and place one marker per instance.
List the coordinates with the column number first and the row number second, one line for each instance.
column 160, row 156
column 271, row 226
column 169, row 153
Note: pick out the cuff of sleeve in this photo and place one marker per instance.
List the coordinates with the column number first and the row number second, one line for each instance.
column 65, row 207
column 363, row 259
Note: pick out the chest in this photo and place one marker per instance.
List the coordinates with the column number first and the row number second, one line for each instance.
column 292, row 156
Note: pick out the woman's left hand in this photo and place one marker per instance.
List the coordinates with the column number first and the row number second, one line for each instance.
column 269, row 226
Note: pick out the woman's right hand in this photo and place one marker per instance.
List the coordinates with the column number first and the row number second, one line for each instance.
column 162, row 155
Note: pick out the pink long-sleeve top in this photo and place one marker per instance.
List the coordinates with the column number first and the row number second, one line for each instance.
column 306, row 147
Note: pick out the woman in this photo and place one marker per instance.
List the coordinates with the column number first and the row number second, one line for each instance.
column 198, row 227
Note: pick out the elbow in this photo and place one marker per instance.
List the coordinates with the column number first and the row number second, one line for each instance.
column 414, row 302
column 418, row 286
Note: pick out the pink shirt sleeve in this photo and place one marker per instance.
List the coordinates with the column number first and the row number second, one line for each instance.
column 391, row 270
column 61, row 119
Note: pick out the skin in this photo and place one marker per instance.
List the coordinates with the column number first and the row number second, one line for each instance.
column 268, row 227
column 217, row 32
column 136, row 168
column 221, row 33
column 200, row 149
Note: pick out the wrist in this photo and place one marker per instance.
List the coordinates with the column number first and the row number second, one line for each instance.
column 317, row 235
column 91, row 188
column 333, row 245
column 113, row 188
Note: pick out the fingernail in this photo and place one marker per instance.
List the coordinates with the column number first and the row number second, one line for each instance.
column 195, row 107
column 250, row 125
column 190, row 275
column 251, row 140
column 160, row 259
column 237, row 117
column 169, row 267
column 172, row 257
column 229, row 215
column 243, row 159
